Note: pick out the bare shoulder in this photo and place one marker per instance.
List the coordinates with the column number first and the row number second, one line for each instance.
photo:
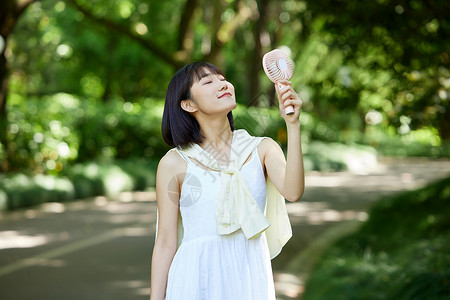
column 172, row 163
column 270, row 153
column 268, row 145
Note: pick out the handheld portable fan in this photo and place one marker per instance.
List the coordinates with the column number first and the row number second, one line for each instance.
column 278, row 66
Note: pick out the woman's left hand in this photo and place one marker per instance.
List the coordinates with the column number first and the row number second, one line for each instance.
column 288, row 97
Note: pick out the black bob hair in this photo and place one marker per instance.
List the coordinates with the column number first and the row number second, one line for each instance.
column 179, row 128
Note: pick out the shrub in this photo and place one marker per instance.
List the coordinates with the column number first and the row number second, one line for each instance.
column 20, row 190
column 401, row 252
column 47, row 135
column 82, row 180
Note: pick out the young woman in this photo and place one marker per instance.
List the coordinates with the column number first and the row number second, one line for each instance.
column 211, row 192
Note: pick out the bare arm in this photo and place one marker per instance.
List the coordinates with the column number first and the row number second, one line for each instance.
column 167, row 194
column 287, row 174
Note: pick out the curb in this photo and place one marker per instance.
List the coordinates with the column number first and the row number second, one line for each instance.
column 290, row 283
column 305, row 261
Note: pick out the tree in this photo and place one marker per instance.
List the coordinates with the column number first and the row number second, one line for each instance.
column 389, row 56
column 222, row 32
column 202, row 32
column 10, row 12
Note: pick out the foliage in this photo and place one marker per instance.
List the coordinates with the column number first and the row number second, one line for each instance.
column 72, row 54
column 401, row 252
column 422, row 142
column 85, row 149
column 368, row 73
column 337, row 157
column 19, row 190
column 53, row 132
column 383, row 62
column 80, row 181
column 388, row 57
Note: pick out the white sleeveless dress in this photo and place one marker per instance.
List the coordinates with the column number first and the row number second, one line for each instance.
column 209, row 266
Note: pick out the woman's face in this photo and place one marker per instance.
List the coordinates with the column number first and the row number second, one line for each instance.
column 213, row 94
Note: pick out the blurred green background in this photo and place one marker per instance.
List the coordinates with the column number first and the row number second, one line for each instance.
column 83, row 82
column 82, row 86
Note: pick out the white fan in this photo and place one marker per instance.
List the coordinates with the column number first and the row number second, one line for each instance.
column 278, row 66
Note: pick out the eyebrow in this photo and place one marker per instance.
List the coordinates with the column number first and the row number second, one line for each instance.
column 205, row 75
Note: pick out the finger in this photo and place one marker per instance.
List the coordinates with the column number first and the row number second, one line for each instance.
column 277, row 88
column 297, row 103
column 291, row 101
column 290, row 94
column 286, row 95
column 285, row 82
column 283, row 90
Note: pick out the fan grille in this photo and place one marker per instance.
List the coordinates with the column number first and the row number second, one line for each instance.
column 277, row 65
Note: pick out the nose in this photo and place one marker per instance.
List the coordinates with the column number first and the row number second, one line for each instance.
column 224, row 86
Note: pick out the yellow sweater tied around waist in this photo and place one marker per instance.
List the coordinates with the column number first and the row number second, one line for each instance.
column 235, row 206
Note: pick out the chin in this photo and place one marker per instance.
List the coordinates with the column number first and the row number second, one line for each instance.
column 225, row 107
column 231, row 107
column 229, row 102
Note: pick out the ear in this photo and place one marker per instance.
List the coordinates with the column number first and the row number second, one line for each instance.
column 188, row 105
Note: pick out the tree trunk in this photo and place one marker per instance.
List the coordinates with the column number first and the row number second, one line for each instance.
column 443, row 127
column 255, row 59
column 5, row 29
column 215, row 55
column 254, row 68
column 4, row 163
column 7, row 21
column 10, row 12
column 185, row 28
column 3, row 82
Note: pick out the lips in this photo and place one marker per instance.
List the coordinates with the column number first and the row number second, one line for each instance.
column 225, row 95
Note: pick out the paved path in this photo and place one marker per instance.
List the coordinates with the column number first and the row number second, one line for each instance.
column 99, row 249
column 334, row 204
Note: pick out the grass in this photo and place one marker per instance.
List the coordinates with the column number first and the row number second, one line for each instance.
column 401, row 252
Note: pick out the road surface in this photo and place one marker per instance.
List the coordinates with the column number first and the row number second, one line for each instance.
column 100, row 249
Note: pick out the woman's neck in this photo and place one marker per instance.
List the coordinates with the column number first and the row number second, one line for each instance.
column 217, row 133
